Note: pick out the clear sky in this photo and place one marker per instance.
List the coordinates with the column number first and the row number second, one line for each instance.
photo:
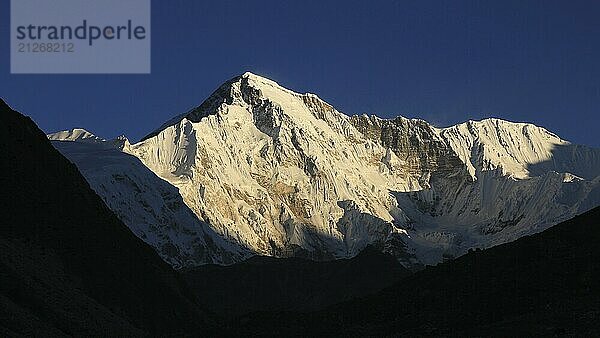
column 444, row 61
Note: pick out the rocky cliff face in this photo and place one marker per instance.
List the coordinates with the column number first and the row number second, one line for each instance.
column 415, row 143
column 286, row 174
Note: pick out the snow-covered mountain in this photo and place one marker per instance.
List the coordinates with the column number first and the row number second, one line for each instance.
column 263, row 169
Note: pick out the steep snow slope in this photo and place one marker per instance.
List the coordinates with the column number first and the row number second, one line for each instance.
column 286, row 174
column 149, row 206
column 496, row 144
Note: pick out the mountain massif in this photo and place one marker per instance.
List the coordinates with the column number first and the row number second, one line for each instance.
column 258, row 169
column 375, row 227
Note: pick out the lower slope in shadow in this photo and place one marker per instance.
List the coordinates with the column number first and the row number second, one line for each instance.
column 544, row 284
column 285, row 284
column 68, row 265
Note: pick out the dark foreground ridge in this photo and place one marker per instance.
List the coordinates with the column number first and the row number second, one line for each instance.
column 292, row 284
column 68, row 265
column 545, row 284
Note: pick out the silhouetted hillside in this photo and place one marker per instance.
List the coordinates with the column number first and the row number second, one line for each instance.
column 278, row 284
column 68, row 266
column 544, row 284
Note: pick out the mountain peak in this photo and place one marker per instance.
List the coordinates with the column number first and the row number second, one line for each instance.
column 250, row 75
column 75, row 134
column 251, row 90
column 258, row 79
column 262, row 83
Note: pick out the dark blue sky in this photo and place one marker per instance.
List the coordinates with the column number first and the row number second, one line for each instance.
column 444, row 61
